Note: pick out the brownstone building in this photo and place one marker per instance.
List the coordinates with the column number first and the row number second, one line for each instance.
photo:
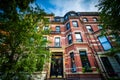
column 76, row 47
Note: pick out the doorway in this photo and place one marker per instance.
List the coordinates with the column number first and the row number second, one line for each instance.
column 56, row 70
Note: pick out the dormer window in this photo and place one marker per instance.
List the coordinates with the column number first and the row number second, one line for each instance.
column 72, row 14
column 57, row 19
column 66, row 17
column 95, row 19
column 85, row 20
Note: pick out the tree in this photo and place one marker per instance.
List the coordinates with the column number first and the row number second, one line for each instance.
column 22, row 46
column 110, row 18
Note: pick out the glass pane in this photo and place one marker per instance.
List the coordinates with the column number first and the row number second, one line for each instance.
column 46, row 28
column 78, row 36
column 95, row 19
column 69, row 37
column 74, row 23
column 102, row 39
column 106, row 46
column 82, row 52
column 67, row 26
column 88, row 27
column 84, row 20
column 57, row 28
column 99, row 26
column 57, row 39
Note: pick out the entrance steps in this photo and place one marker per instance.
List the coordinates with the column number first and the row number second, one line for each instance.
column 75, row 79
column 56, row 79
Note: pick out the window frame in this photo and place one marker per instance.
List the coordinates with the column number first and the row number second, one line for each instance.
column 85, row 20
column 45, row 28
column 104, row 43
column 68, row 26
column 78, row 39
column 69, row 41
column 76, row 23
column 55, row 43
column 73, row 66
column 95, row 19
column 108, row 67
column 99, row 27
column 57, row 30
column 85, row 61
column 90, row 29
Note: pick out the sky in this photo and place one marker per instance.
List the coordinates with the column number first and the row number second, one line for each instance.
column 61, row 7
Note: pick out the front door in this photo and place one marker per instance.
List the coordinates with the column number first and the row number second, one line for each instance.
column 56, row 66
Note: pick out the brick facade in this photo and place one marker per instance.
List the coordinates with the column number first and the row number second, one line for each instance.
column 89, row 43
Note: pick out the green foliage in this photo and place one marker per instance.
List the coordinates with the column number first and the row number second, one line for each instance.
column 109, row 14
column 22, row 48
column 110, row 19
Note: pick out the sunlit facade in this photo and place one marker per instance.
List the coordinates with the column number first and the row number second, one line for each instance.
column 76, row 46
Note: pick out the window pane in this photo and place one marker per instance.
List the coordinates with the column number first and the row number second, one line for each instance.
column 108, row 66
column 73, row 66
column 102, row 39
column 57, row 41
column 46, row 28
column 78, row 36
column 85, row 20
column 57, row 28
column 105, row 43
column 106, row 46
column 45, row 38
column 68, row 26
column 83, row 53
column 99, row 26
column 89, row 28
column 75, row 24
column 85, row 61
column 69, row 37
column 95, row 19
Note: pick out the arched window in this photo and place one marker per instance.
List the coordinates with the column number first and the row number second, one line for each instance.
column 95, row 19
column 85, row 20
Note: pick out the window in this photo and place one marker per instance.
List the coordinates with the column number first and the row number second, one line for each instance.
column 108, row 66
column 78, row 37
column 66, row 17
column 69, row 39
column 89, row 28
column 67, row 26
column 104, row 42
column 57, row 42
column 57, row 19
column 73, row 66
column 45, row 40
column 72, row 14
column 75, row 24
column 46, row 28
column 99, row 26
column 85, row 20
column 85, row 61
column 95, row 19
column 57, row 28
column 117, row 59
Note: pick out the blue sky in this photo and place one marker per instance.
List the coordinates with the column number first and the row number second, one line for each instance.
column 60, row 7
